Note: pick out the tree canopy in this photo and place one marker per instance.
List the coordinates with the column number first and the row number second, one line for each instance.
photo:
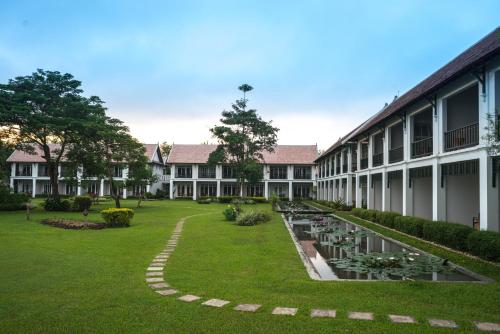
column 242, row 139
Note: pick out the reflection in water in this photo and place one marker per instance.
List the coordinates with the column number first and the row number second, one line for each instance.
column 337, row 249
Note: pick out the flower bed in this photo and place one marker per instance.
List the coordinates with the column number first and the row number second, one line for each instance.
column 73, row 224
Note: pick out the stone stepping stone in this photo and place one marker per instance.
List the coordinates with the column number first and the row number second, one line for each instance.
column 215, row 302
column 157, row 264
column 167, row 292
column 317, row 313
column 161, row 257
column 443, row 323
column 360, row 315
column 284, row 311
column 154, row 280
column 154, row 273
column 487, row 326
column 159, row 260
column 188, row 298
column 247, row 307
column 155, row 268
column 401, row 319
column 159, row 286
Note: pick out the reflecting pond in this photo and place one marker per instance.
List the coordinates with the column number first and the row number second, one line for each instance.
column 341, row 250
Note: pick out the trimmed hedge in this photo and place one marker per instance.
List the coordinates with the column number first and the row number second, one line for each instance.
column 81, row 203
column 252, row 218
column 10, row 201
column 53, row 204
column 117, row 217
column 485, row 244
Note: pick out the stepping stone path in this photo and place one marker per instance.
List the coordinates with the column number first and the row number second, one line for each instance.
column 361, row 315
column 443, row 323
column 323, row 313
column 284, row 311
column 402, row 319
column 247, row 307
column 154, row 277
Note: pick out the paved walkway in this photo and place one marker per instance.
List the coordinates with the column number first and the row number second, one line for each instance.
column 156, row 281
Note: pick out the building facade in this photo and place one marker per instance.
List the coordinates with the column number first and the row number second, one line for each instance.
column 288, row 172
column 29, row 175
column 425, row 154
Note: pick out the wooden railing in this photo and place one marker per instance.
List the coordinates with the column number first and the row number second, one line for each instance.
column 396, row 154
column 421, row 148
column 466, row 136
column 378, row 159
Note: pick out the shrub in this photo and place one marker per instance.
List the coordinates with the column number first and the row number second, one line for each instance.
column 230, row 213
column 160, row 194
column 10, row 201
column 274, row 200
column 238, row 201
column 447, row 234
column 387, row 218
column 253, row 218
column 56, row 204
column 226, row 199
column 117, row 217
column 409, row 225
column 257, row 199
column 204, row 201
column 81, row 203
column 485, row 244
column 250, row 201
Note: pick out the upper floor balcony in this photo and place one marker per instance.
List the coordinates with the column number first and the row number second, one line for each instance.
column 302, row 173
column 378, row 150
column 396, row 138
column 421, row 134
column 279, row 172
column 24, row 169
column 206, row 172
column 184, row 172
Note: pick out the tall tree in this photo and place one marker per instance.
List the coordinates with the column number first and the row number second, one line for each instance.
column 7, row 146
column 165, row 148
column 48, row 107
column 111, row 150
column 140, row 175
column 242, row 139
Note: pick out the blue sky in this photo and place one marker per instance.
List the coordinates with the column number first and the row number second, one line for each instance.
column 168, row 68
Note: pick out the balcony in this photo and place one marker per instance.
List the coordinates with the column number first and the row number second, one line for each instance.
column 396, row 154
column 460, row 138
column 421, row 148
column 378, row 159
column 344, row 168
column 338, row 170
column 354, row 166
column 206, row 174
column 364, row 163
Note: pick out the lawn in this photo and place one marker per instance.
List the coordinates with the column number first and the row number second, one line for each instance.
column 61, row 281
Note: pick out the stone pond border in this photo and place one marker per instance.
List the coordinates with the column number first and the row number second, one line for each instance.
column 154, row 277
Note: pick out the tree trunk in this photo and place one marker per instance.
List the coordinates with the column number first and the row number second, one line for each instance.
column 53, row 171
column 140, row 199
column 113, row 192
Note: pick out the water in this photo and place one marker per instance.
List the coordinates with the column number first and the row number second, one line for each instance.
column 320, row 239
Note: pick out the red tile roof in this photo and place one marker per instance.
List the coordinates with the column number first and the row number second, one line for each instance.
column 283, row 154
column 469, row 60
column 21, row 156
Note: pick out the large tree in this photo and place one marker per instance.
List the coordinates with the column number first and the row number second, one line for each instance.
column 141, row 175
column 48, row 107
column 242, row 139
column 111, row 150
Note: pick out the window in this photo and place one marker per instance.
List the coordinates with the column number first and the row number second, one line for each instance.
column 183, row 172
column 278, row 172
column 93, row 188
column 255, row 190
column 228, row 172
column 118, row 171
column 184, row 190
column 303, row 173
column 43, row 170
column 47, row 188
column 280, row 190
column 229, row 190
column 301, row 191
column 206, row 172
column 24, row 170
column 208, row 189
column 70, row 189
column 166, row 171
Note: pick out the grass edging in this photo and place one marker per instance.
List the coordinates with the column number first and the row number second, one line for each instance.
column 471, row 262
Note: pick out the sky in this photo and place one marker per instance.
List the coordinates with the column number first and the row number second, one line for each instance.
column 168, row 68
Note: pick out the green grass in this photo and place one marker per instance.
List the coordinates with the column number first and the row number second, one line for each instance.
column 61, row 281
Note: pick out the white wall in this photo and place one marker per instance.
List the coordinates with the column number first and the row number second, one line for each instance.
column 396, row 203
column 377, row 191
column 462, row 198
column 422, row 197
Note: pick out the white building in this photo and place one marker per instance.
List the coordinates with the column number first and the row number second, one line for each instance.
column 29, row 175
column 288, row 172
column 424, row 154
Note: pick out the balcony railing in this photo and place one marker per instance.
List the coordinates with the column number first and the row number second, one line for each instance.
column 421, row 148
column 344, row 168
column 364, row 163
column 462, row 137
column 378, row 159
column 396, row 154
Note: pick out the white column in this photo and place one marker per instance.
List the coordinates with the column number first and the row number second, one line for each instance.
column 33, row 190
column 11, row 182
column 266, row 189
column 349, row 160
column 488, row 196
column 407, row 138
column 358, row 157
column 79, row 180
column 101, row 188
column 349, row 189
column 358, row 191
column 148, row 188
column 125, row 176
column 124, row 193
column 290, row 191
column 386, row 193
column 385, row 146
column 341, row 162
column 438, row 193
column 218, row 188
column 407, row 193
column 171, row 188
column 370, row 192
column 195, row 190
column 218, row 172
column 370, row 151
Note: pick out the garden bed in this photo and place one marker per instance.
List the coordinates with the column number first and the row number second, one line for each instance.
column 73, row 224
